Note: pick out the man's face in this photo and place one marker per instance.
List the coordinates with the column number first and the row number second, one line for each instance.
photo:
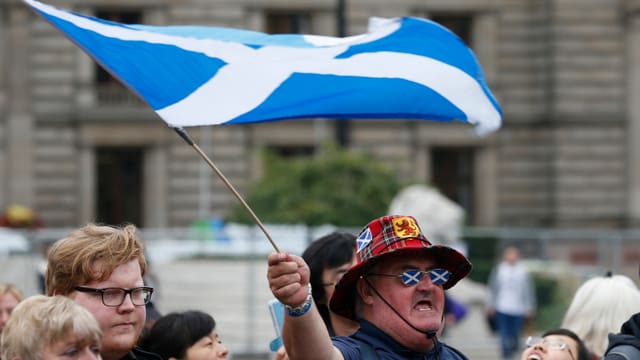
column 121, row 325
column 421, row 305
column 7, row 303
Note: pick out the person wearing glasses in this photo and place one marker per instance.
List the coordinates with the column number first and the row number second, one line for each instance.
column 558, row 344
column 101, row 268
column 51, row 328
column 395, row 291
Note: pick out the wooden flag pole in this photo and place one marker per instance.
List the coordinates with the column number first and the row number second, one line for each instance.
column 185, row 136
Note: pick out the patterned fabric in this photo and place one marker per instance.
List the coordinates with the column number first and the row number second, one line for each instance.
column 393, row 234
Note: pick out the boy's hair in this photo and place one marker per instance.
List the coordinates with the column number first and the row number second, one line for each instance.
column 583, row 352
column 39, row 321
column 73, row 260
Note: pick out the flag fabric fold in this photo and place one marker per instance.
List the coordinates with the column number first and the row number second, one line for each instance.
column 403, row 68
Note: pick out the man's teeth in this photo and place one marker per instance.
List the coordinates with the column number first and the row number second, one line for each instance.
column 534, row 357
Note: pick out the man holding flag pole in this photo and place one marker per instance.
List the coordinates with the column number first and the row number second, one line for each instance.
column 395, row 291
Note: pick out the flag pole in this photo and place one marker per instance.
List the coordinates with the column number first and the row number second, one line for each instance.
column 185, row 136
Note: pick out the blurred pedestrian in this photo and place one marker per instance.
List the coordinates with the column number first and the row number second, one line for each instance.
column 102, row 269
column 10, row 296
column 51, row 328
column 189, row 335
column 558, row 344
column 454, row 312
column 329, row 258
column 512, row 300
column 600, row 306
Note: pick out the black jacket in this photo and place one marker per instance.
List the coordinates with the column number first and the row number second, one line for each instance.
column 629, row 335
column 138, row 354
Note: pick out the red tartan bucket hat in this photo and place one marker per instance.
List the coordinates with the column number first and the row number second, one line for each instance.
column 392, row 235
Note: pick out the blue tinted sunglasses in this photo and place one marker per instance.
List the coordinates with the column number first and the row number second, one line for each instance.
column 412, row 277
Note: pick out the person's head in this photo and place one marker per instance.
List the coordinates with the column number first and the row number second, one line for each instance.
column 399, row 278
column 101, row 268
column 188, row 335
column 511, row 255
column 558, row 344
column 599, row 307
column 10, row 296
column 329, row 258
column 51, row 328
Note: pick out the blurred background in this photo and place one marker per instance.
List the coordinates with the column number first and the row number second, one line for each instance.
column 560, row 179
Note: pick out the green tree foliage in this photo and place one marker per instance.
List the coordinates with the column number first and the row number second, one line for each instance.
column 338, row 187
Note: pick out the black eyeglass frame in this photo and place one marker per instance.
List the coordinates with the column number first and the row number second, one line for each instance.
column 125, row 292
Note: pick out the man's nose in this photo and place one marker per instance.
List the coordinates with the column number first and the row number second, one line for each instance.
column 425, row 283
column 540, row 346
column 127, row 304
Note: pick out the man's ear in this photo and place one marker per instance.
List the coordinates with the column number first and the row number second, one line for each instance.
column 364, row 290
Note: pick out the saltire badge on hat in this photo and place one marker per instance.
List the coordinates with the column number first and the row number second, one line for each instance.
column 364, row 239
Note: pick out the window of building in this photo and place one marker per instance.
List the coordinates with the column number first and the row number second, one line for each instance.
column 452, row 173
column 288, row 22
column 291, row 151
column 460, row 24
column 109, row 90
column 119, row 185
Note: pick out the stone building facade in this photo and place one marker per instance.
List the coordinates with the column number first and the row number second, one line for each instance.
column 567, row 74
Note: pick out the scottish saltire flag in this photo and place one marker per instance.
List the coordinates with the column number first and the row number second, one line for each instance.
column 193, row 75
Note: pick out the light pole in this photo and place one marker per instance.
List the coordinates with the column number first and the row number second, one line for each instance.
column 342, row 125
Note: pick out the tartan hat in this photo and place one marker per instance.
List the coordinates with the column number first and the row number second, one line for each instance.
column 392, row 235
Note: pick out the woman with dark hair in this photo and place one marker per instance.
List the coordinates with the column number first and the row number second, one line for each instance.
column 557, row 344
column 329, row 257
column 188, row 335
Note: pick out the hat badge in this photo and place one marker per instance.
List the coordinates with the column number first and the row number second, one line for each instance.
column 364, row 239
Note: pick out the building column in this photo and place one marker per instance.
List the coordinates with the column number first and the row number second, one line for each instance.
column 155, row 187
column 87, row 183
column 19, row 125
column 633, row 115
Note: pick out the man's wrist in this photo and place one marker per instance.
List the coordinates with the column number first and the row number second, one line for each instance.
column 302, row 308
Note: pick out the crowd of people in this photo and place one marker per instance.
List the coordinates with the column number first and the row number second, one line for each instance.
column 378, row 295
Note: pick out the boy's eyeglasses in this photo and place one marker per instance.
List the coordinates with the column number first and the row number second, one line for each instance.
column 115, row 296
column 551, row 344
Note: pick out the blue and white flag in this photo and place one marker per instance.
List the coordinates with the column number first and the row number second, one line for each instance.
column 193, row 75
